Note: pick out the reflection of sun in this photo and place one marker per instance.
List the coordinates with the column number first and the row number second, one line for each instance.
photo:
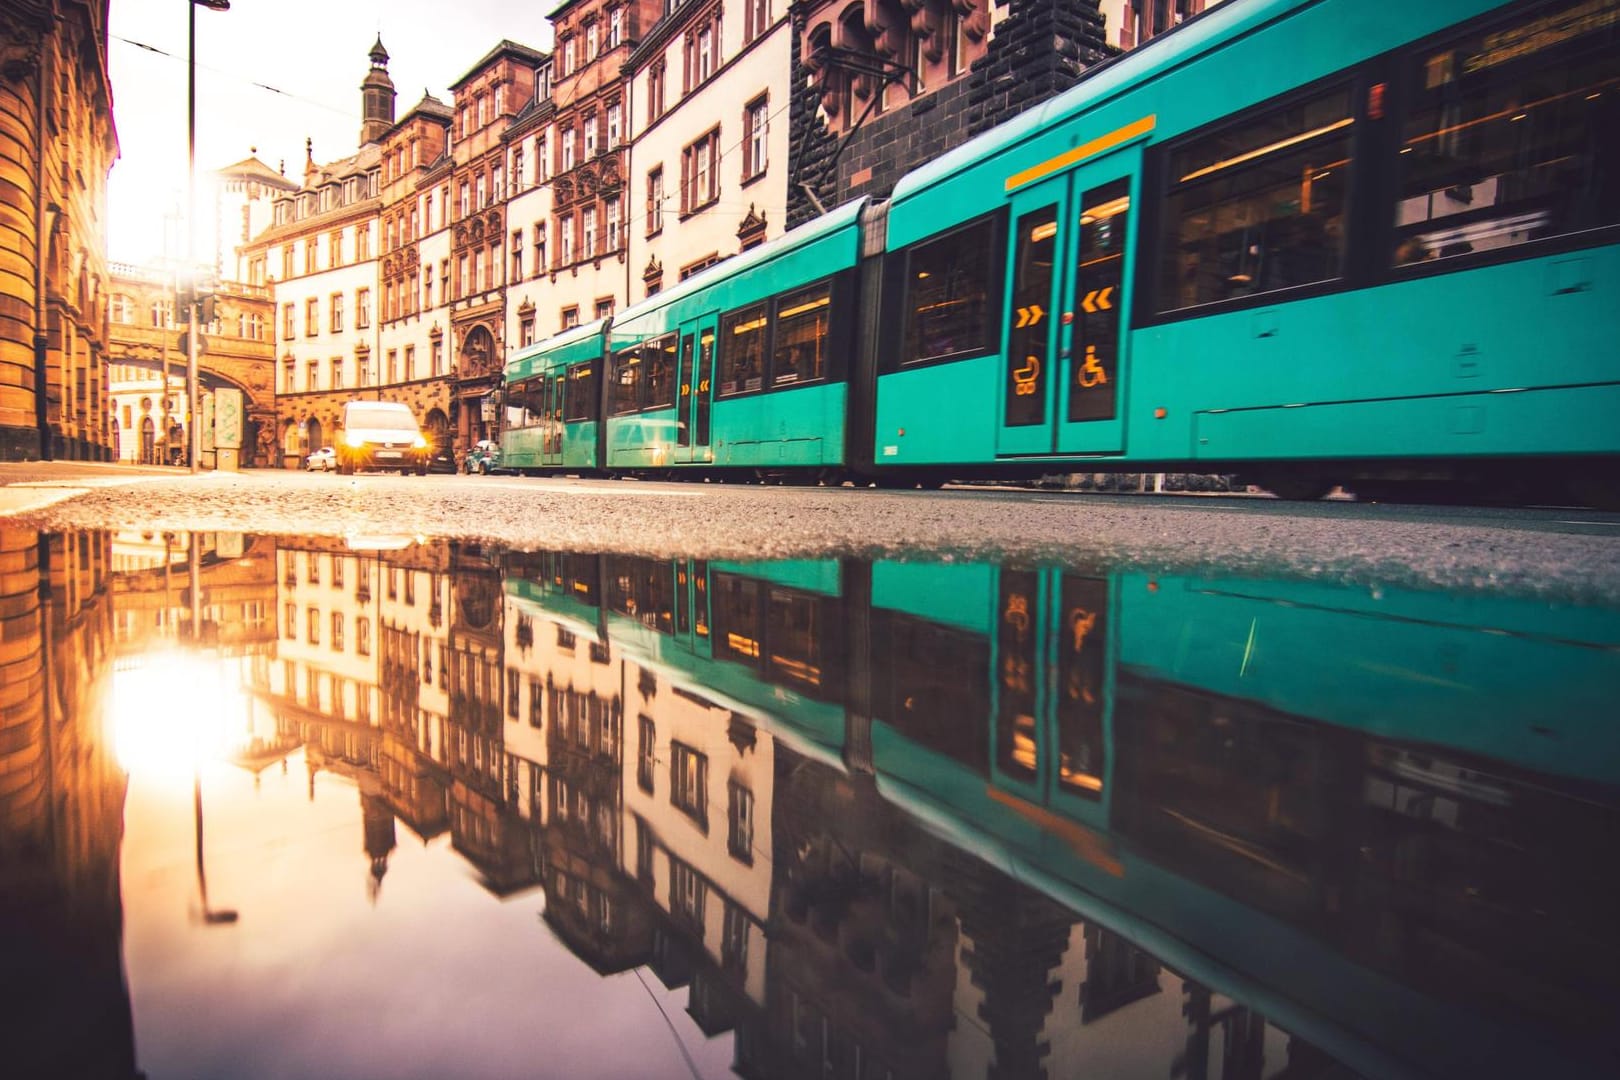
column 172, row 713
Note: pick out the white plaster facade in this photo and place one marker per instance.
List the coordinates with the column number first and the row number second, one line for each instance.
column 718, row 91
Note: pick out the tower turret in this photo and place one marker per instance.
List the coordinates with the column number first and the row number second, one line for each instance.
column 377, row 97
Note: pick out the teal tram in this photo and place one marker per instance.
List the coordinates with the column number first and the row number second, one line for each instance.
column 1383, row 822
column 1309, row 242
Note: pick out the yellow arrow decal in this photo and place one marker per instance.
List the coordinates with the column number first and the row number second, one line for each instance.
column 1103, row 303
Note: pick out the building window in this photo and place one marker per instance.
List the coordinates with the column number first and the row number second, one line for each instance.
column 612, row 224
column 539, row 248
column 289, row 620
column 337, row 373
column 570, row 317
column 756, row 122
column 362, row 636
column 312, row 317
column 427, row 287
column 288, row 320
column 592, row 40
column 362, row 309
column 739, row 822
column 734, row 939
column 688, row 894
column 362, row 242
column 526, row 331
column 646, row 754
column 756, row 17
column 287, row 375
column 314, row 626
column 566, row 141
column 437, row 348
column 615, row 27
column 689, row 783
column 337, row 313
column 565, row 235
column 700, row 179
column 656, row 76
column 588, row 231
column 311, row 262
column 615, row 125
column 312, row 375
column 334, row 249
column 589, row 127
column 655, row 201
column 410, row 362
column 517, row 255
column 604, row 308
column 465, row 194
column 480, row 196
column 701, row 53
column 337, row 631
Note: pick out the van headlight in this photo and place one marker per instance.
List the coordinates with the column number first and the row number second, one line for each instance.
column 420, row 442
column 354, row 439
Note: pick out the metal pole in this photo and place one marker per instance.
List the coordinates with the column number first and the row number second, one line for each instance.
column 193, row 431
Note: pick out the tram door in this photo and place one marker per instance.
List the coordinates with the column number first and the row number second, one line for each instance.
column 551, row 444
column 1052, row 687
column 694, row 440
column 1064, row 355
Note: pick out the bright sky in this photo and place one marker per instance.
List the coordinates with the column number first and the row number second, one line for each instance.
column 269, row 74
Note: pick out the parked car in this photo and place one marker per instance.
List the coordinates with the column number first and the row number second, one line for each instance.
column 442, row 460
column 381, row 435
column 484, row 457
column 324, row 459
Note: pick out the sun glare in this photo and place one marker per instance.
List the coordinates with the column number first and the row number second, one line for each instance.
column 174, row 712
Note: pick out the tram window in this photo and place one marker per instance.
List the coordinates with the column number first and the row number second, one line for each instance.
column 796, row 632
column 580, row 400
column 1258, row 205
column 659, row 361
column 1510, row 137
column 950, row 288
column 526, row 403
column 742, row 350
column 801, row 335
column 624, row 386
column 738, row 622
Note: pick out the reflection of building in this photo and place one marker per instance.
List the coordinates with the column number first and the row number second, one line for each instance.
column 61, row 812
column 56, row 112
column 361, row 675
column 152, row 586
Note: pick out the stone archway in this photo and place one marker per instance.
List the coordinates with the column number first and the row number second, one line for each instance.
column 148, row 441
column 312, row 433
column 436, row 426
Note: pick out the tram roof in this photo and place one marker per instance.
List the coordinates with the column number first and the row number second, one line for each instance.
column 1155, row 58
column 837, row 218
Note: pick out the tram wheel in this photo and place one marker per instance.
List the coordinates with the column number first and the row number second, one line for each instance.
column 1296, row 486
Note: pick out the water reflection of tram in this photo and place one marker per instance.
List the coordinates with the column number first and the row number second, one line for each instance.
column 1356, row 814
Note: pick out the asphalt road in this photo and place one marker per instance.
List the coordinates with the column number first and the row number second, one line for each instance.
column 1563, row 553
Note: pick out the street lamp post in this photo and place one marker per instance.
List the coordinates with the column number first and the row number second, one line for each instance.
column 193, row 428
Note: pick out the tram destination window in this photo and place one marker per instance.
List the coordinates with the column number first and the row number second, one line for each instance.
column 1258, row 205
column 742, row 350
column 1510, row 136
column 949, row 295
column 801, row 336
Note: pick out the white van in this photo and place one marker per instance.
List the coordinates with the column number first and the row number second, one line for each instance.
column 381, row 435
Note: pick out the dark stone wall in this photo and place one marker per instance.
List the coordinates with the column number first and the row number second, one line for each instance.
column 1042, row 48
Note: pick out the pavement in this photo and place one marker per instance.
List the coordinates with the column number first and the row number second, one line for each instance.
column 1561, row 553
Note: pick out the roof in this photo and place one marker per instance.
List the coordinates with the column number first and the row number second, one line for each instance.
column 251, row 168
column 505, row 48
column 531, row 116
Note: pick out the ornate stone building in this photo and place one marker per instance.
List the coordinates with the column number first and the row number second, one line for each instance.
column 415, row 264
column 486, row 99
column 146, row 360
column 57, row 143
